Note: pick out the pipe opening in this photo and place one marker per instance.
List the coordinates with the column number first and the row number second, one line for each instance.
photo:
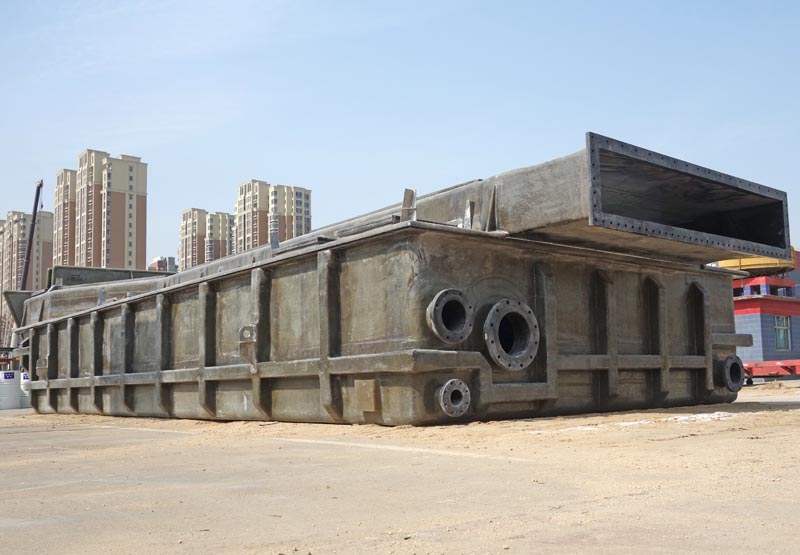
column 454, row 315
column 449, row 316
column 511, row 334
column 456, row 398
column 514, row 333
column 729, row 374
column 736, row 373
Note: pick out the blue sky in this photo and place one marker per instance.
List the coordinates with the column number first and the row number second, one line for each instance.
column 358, row 100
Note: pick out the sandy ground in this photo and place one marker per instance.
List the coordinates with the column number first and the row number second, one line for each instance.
column 711, row 479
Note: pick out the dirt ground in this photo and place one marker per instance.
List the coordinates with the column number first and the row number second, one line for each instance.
column 710, row 479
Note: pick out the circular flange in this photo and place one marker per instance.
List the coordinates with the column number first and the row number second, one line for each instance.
column 454, row 398
column 450, row 316
column 730, row 374
column 511, row 333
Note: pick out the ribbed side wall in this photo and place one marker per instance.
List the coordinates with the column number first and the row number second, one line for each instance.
column 341, row 335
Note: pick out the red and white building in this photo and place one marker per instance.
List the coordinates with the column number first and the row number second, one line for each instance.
column 768, row 308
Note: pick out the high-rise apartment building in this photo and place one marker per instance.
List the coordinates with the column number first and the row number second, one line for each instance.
column 88, row 208
column 14, row 234
column 204, row 236
column 5, row 323
column 192, row 238
column 110, row 211
column 124, row 235
column 220, row 230
column 64, row 218
column 263, row 210
column 15, row 238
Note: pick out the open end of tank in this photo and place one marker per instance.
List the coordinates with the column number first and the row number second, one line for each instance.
column 640, row 191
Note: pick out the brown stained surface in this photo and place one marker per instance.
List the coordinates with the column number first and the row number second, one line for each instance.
column 708, row 479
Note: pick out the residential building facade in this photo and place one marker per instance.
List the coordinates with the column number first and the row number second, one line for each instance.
column 264, row 210
column 110, row 211
column 204, row 236
column 220, row 235
column 124, row 213
column 14, row 234
column 64, row 218
column 88, row 208
column 192, row 238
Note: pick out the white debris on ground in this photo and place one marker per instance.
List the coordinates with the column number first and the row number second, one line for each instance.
column 681, row 419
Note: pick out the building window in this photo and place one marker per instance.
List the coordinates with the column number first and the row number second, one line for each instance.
column 783, row 341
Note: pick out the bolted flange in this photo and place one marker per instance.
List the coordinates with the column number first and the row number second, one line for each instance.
column 450, row 316
column 454, row 398
column 511, row 333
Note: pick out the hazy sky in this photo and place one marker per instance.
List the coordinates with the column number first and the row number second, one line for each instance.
column 358, row 100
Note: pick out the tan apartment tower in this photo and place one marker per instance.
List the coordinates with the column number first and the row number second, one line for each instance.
column 111, row 211
column 124, row 232
column 263, row 209
column 220, row 235
column 204, row 236
column 64, row 218
column 192, row 238
column 5, row 321
column 15, row 238
column 88, row 208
